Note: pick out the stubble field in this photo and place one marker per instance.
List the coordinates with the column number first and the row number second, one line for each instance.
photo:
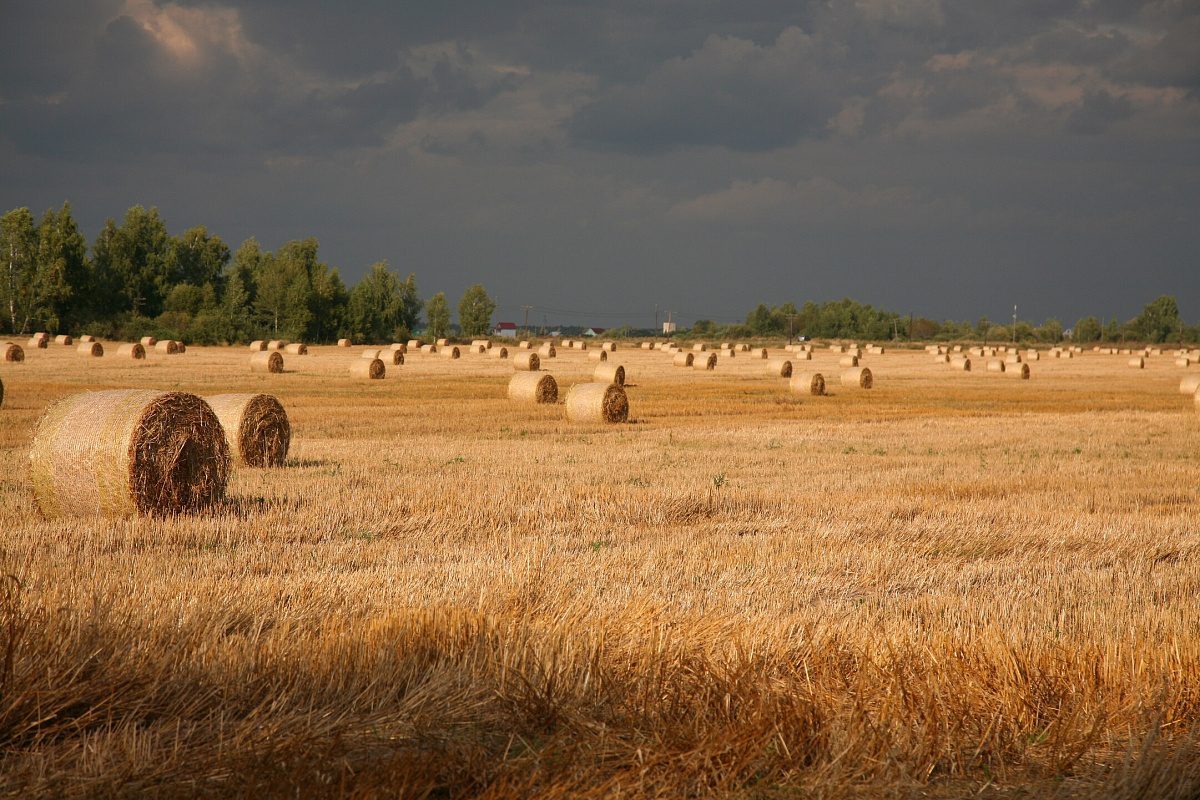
column 948, row 585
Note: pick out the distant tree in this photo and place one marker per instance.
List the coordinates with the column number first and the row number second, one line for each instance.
column 133, row 264
column 703, row 327
column 62, row 269
column 1112, row 331
column 1087, row 330
column 475, row 312
column 1050, row 331
column 18, row 251
column 1159, row 320
column 198, row 258
column 438, row 313
column 375, row 307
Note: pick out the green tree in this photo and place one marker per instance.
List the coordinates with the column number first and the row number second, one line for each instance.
column 62, row 269
column 1159, row 320
column 18, row 250
column 236, row 324
column 375, row 306
column 133, row 264
column 410, row 304
column 1112, row 331
column 475, row 312
column 437, row 311
column 1087, row 330
column 198, row 258
column 1050, row 331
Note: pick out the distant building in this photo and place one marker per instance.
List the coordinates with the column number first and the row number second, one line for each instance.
column 668, row 327
column 594, row 331
column 508, row 329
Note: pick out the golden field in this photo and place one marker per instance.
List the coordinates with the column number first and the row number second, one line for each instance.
column 949, row 585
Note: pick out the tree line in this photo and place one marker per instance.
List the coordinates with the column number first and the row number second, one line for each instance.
column 138, row 280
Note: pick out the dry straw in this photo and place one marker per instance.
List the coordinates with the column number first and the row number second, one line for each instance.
column 802, row 355
column 403, row 348
column 429, row 349
column 1012, row 358
column 1018, row 371
column 527, row 362
column 296, row 349
column 580, row 345
column 524, row 345
column 995, row 365
column 699, row 347
column 498, row 352
column 64, row 340
column 1137, row 363
column 848, row 361
column 391, row 357
column 148, row 341
column 450, row 351
column 90, row 350
column 598, row 355
column 759, row 352
column 547, row 351
column 37, row 344
column 941, row 358
column 266, row 361
column 414, row 344
column 533, row 387
column 343, row 343
column 277, row 344
column 743, row 348
column 477, row 349
column 597, row 402
column 729, row 353
column 705, row 362
column 859, row 376
column 1033, row 355
column 1183, row 361
column 609, row 373
column 167, row 347
column 961, row 363
column 647, row 345
column 257, row 346
column 807, row 383
column 370, row 369
column 12, row 352
column 779, row 368
column 1189, row 384
column 128, row 451
column 371, row 352
column 256, row 428
column 609, row 346
column 684, row 359
column 442, row 342
column 134, row 351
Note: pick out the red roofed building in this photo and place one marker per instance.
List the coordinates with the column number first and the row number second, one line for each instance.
column 508, row 329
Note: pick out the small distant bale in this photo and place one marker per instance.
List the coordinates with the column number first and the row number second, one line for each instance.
column 995, row 365
column 859, row 377
column 477, row 350
column 392, row 358
column 36, row 343
column 167, row 347
column 90, row 350
column 743, row 348
column 13, row 353
column 266, row 361
column 726, row 345
column 779, row 368
column 429, row 349
column 609, row 373
column 580, row 345
column 64, row 340
column 609, row 347
column 664, row 346
column 525, row 345
column 442, row 342
column 684, row 358
column 730, row 353
column 547, row 351
column 147, row 341
column 256, row 428
column 598, row 355
column 498, row 352
column 699, row 347
column 759, row 352
column 257, row 346
column 296, row 349
column 1018, row 371
column 449, row 351
column 802, row 355
column 807, row 383
column 705, row 362
column 647, row 345
column 1137, row 363
column 567, row 344
column 414, row 344
column 941, row 358
column 368, row 369
column 1033, row 355
column 527, row 362
column 533, row 387
column 344, row 343
column 87, row 338
column 277, row 344
column 958, row 348
column 848, row 361
column 1183, row 362
column 1012, row 358
column 403, row 348
column 371, row 352
column 1189, row 384
column 961, row 363
column 133, row 351
column 484, row 343
column 597, row 402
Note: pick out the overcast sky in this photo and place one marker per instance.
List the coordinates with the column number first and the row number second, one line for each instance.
column 604, row 156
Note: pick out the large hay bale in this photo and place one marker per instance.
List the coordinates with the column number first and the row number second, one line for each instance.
column 859, row 377
column 527, row 362
column 848, row 361
column 779, row 368
column 995, row 365
column 344, row 343
column 167, row 347
column 277, row 344
column 12, row 352
column 705, row 362
column 807, row 383
column 759, row 352
column 128, row 451
column 961, row 363
column 533, row 387
column 609, row 373
column 90, row 350
column 429, row 349
column 257, row 346
column 1018, row 371
column 598, row 355
column 684, row 358
column 392, row 358
column 597, row 402
column 498, row 352
column 35, row 343
column 296, row 349
column 370, row 369
column 134, row 351
column 547, row 351
column 64, row 340
column 450, row 351
column 266, row 361
column 1189, row 384
column 1137, row 363
column 256, row 428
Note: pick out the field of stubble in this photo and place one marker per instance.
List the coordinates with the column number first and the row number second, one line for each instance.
column 950, row 585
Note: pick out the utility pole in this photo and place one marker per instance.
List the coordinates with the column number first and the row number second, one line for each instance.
column 910, row 325
column 527, row 310
column 670, row 315
column 1014, row 323
column 656, row 328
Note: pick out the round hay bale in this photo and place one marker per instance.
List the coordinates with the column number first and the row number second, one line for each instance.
column 802, row 355
column 1183, row 362
column 699, row 347
column 759, row 352
column 779, row 368
column 392, row 358
column 527, row 362
column 1189, row 384
column 498, row 352
column 961, row 363
column 609, row 373
column 995, row 365
column 580, row 345
column 524, row 345
column 257, row 346
column 344, row 343
column 1033, row 355
column 1012, row 358
column 450, row 352
column 134, row 351
column 941, row 358
column 848, row 361
column 12, row 352
column 1018, row 371
column 567, row 344
column 403, row 348
column 370, row 369
column 371, row 352
column 266, row 361
column 256, row 428
column 598, row 355
column 807, row 383
column 296, row 349
column 647, row 345
column 610, row 347
column 87, row 338
column 533, row 387
column 705, row 362
column 64, row 340
column 147, row 341
column 597, row 402
column 180, row 347
column 90, row 350
column 664, row 346
column 414, row 344
column 1137, row 363
column 730, row 353
column 860, row 377
column 167, row 347
column 743, row 348
column 277, row 344
column 429, row 349
column 128, row 451
column 37, row 344
column 442, row 343
column 547, row 351
column 684, row 359
column 477, row 350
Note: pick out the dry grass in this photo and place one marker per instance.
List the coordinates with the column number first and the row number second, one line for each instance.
column 946, row 586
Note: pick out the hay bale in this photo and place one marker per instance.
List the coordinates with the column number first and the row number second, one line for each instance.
column 1018, row 371
column 941, row 358
column 580, row 345
column 147, row 341
column 779, row 368
column 730, row 353
column 802, row 355
column 609, row 373
column 167, row 347
column 759, row 352
column 848, row 361
column 257, row 346
column 371, row 352
column 807, row 383
column 296, row 349
column 498, row 352
column 533, row 387
column 429, row 349
column 277, row 344
column 610, row 347
column 1137, row 363
column 370, row 369
column 87, row 338
column 442, row 343
column 403, row 348
column 743, row 348
column 134, row 351
column 477, row 350
column 64, row 340
column 256, row 428
column 1183, row 362
column 449, row 351
column 598, row 355
column 547, row 351
column 1012, row 358
column 705, row 362
column 684, row 359
column 90, row 350
column 128, row 451
column 524, row 345
column 266, row 361
column 527, row 362
column 35, row 343
column 414, row 344
column 567, row 344
column 664, row 346
column 647, row 345
column 1189, row 384
column 597, row 402
column 860, row 377
column 961, row 363
column 344, row 343
column 995, row 365
column 13, row 353
column 1033, row 355
column 699, row 347
column 391, row 357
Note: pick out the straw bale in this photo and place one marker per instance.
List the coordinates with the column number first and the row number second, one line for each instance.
column 961, row 363
column 414, row 344
column 1033, row 355
column 705, row 362
column 699, row 347
column 995, row 365
column 266, row 361
column 609, row 373
column 450, row 351
column 12, row 352
column 296, row 349
column 371, row 369
column 148, row 341
column 64, row 340
column 1189, row 384
column 403, row 348
column 647, row 345
column 567, row 344
column 958, row 348
column 1018, row 371
column 40, row 335
column 35, row 343
column 442, row 343
column 167, row 347
column 730, row 353
column 743, row 348
column 664, row 346
column 547, row 351
column 392, row 358
column 1183, row 362
column 344, row 343
column 609, row 346
column 90, row 350
column 257, row 346
column 779, row 368
column 580, row 345
column 128, row 451
column 598, row 355
column 87, row 338
column 429, row 349
column 837, row 348
column 134, row 351
column 527, row 362
column 1012, row 358
column 477, row 349
column 726, row 346
column 533, row 387
column 371, row 352
column 597, row 402
column 277, row 344
column 759, row 352
column 807, row 383
column 941, row 358
column 684, row 358
column 256, row 428
column 802, row 355
column 1137, row 363
column 859, row 376
column 498, row 352
column 524, row 345
column 848, row 361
